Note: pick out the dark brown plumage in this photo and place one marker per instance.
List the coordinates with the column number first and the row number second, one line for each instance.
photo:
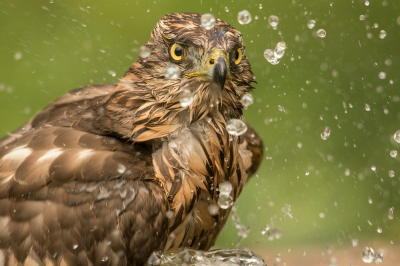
column 105, row 175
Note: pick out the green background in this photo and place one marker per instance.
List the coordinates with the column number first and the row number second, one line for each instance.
column 49, row 48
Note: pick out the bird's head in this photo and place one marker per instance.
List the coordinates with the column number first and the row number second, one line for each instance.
column 211, row 65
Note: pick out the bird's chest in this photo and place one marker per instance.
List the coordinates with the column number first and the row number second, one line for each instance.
column 196, row 162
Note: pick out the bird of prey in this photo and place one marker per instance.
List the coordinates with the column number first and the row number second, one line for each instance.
column 108, row 174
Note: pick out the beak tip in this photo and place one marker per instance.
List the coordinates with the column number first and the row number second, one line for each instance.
column 220, row 71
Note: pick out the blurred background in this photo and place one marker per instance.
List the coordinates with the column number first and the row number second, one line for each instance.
column 316, row 200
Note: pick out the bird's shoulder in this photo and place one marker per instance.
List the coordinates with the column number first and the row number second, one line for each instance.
column 73, row 102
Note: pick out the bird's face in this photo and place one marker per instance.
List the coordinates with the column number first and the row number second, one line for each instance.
column 212, row 63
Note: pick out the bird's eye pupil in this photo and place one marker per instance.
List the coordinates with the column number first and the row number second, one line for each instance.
column 178, row 51
column 236, row 55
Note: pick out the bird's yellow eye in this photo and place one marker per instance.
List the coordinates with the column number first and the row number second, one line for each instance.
column 238, row 56
column 176, row 52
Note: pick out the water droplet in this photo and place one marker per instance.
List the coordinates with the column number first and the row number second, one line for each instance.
column 370, row 201
column 75, row 246
column 382, row 34
column 273, row 21
column 269, row 54
column 17, row 56
column 265, row 229
column 121, row 168
column 368, row 255
column 354, row 242
column 236, row 127
column 144, row 51
column 378, row 258
column 225, row 188
column 260, row 6
column 382, row 75
column 390, row 213
column 362, row 17
column 347, row 172
column 311, row 24
column 185, row 98
column 307, row 173
column 105, row 258
column 396, row 136
column 322, row 215
column 207, row 21
column 391, row 173
column 226, row 9
column 367, row 3
column 247, row 100
column 373, row 168
column 367, row 107
column 280, row 50
column 274, row 234
column 112, row 73
column 326, row 133
column 172, row 71
column 321, row 33
column 278, row 257
column 281, row 108
column 213, row 209
column 244, row 17
column 225, row 201
column 169, row 214
column 393, row 153
column 379, row 230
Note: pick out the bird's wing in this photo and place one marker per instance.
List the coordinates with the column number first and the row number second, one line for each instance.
column 68, row 104
column 252, row 142
column 69, row 197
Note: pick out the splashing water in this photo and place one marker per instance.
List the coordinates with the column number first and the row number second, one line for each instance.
column 236, row 127
column 244, row 17
column 311, row 24
column 390, row 213
column 265, row 229
column 321, row 33
column 172, row 71
column 382, row 34
column 208, row 21
column 247, row 100
column 273, row 21
column 213, row 209
column 396, row 136
column 225, row 188
column 243, row 231
column 280, row 50
column 185, row 98
column 144, row 51
column 378, row 258
column 225, row 201
column 221, row 257
column 274, row 56
column 270, row 56
column 326, row 133
column 368, row 255
column 382, row 75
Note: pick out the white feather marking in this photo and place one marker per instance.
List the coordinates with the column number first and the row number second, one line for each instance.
column 17, row 155
column 5, row 180
column 50, row 155
column 83, row 154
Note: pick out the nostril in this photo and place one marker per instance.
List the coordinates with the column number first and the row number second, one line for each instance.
column 211, row 61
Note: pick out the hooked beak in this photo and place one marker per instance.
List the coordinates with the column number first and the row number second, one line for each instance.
column 216, row 68
column 220, row 72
